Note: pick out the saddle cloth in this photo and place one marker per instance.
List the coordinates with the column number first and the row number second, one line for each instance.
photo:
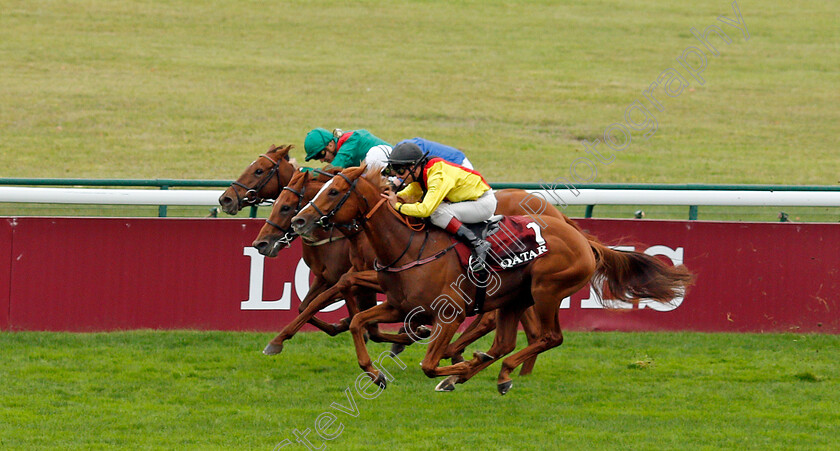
column 516, row 241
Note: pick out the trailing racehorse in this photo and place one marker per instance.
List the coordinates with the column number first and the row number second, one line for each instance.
column 425, row 291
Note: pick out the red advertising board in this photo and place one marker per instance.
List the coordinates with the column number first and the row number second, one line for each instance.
column 5, row 270
column 86, row 274
column 751, row 277
column 93, row 274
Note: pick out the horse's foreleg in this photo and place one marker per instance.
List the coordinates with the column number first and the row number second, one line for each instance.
column 364, row 279
column 324, row 299
column 550, row 337
column 444, row 333
column 319, row 285
column 359, row 290
column 378, row 314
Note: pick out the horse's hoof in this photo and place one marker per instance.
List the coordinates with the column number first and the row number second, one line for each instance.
column 483, row 357
column 423, row 332
column 457, row 359
column 381, row 381
column 273, row 349
column 447, row 384
column 504, row 387
column 397, row 348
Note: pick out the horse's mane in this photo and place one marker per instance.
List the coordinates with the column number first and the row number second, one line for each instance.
column 297, row 177
column 373, row 174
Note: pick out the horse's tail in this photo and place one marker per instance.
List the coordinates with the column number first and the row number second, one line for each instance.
column 630, row 276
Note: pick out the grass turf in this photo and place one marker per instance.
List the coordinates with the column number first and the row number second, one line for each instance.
column 212, row 390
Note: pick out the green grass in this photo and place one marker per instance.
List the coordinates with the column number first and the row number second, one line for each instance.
column 212, row 390
column 187, row 89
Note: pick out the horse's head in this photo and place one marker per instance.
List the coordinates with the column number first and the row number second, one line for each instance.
column 277, row 232
column 263, row 179
column 342, row 200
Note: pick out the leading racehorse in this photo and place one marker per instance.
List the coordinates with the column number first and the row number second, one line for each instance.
column 362, row 277
column 426, row 293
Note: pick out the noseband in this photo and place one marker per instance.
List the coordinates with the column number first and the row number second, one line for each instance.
column 247, row 200
column 289, row 234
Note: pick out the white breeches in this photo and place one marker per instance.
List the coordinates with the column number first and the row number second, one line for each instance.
column 468, row 211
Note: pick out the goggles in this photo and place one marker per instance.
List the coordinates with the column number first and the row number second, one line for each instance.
column 395, row 170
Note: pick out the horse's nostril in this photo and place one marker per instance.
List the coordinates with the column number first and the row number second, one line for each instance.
column 298, row 222
column 260, row 245
column 226, row 200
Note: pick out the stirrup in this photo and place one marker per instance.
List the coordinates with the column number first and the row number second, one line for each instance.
column 479, row 264
column 476, row 265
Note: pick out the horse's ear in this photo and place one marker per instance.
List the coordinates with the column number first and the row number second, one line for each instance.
column 283, row 151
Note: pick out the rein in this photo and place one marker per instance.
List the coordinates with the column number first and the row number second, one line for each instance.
column 247, row 199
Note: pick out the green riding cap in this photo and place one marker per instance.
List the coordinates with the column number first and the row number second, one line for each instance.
column 316, row 140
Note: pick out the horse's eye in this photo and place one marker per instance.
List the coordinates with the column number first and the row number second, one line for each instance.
column 333, row 192
column 285, row 208
column 258, row 172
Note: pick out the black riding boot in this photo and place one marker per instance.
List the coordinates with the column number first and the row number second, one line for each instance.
column 480, row 247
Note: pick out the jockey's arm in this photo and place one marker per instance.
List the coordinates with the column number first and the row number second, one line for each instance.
column 437, row 186
column 413, row 190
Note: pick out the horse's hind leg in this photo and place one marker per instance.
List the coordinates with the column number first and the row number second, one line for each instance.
column 480, row 327
column 550, row 335
column 531, row 324
column 504, row 342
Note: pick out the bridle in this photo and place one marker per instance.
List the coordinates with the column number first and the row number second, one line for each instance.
column 247, row 200
column 358, row 222
column 289, row 234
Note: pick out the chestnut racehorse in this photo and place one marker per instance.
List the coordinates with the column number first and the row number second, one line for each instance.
column 425, row 292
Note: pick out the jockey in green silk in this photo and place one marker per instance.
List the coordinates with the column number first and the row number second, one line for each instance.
column 341, row 149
